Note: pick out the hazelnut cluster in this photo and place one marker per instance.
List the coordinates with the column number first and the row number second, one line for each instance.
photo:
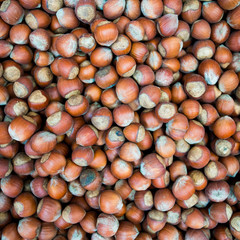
column 119, row 119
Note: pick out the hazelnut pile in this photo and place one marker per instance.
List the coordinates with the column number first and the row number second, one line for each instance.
column 119, row 119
